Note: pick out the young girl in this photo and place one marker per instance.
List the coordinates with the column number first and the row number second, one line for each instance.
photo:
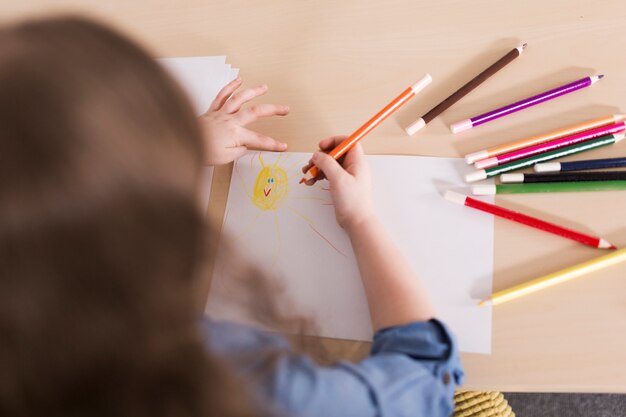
column 101, row 238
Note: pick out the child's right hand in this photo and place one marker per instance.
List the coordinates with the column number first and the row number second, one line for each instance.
column 350, row 185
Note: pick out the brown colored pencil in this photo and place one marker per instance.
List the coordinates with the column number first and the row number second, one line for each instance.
column 466, row 89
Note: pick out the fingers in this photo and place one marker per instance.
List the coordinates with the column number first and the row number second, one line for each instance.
column 224, row 94
column 330, row 143
column 320, row 175
column 307, row 167
column 326, row 145
column 355, row 161
column 253, row 113
column 260, row 142
column 236, row 152
column 226, row 156
column 239, row 99
column 331, row 168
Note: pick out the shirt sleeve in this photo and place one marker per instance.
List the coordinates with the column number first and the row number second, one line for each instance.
column 412, row 371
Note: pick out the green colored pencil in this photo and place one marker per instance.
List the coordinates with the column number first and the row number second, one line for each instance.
column 548, row 187
column 546, row 156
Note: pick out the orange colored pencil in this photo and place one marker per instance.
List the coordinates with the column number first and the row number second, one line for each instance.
column 544, row 137
column 351, row 140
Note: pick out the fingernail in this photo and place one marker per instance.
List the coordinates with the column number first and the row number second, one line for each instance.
column 315, row 156
column 286, row 108
column 263, row 86
column 238, row 79
column 283, row 146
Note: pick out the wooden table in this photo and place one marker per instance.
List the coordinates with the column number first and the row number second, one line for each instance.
column 336, row 62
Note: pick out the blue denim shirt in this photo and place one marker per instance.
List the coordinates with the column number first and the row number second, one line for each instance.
column 412, row 371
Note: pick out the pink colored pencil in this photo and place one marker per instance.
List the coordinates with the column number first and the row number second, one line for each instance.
column 551, row 145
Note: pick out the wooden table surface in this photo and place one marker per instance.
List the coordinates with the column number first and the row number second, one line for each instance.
column 337, row 62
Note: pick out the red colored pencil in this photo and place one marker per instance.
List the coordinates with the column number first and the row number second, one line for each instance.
column 596, row 242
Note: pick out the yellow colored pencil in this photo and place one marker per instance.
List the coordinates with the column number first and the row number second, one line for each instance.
column 555, row 278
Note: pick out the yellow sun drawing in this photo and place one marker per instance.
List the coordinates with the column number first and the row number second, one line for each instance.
column 272, row 195
column 271, row 186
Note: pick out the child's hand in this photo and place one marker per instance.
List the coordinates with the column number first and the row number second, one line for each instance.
column 225, row 137
column 349, row 185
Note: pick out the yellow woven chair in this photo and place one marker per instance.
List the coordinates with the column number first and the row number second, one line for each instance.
column 481, row 404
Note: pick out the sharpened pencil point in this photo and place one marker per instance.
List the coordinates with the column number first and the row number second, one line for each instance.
column 524, row 46
column 485, row 303
column 601, row 76
column 301, row 181
column 604, row 244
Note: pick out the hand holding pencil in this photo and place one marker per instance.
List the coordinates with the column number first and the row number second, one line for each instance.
column 349, row 183
column 340, row 149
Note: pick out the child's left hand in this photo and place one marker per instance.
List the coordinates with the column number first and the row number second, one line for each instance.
column 223, row 125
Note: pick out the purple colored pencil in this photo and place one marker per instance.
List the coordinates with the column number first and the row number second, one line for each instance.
column 523, row 104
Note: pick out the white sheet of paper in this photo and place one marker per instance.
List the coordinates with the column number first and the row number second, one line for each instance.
column 296, row 240
column 201, row 77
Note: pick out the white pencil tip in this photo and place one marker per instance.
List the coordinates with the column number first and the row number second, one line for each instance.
column 512, row 178
column 521, row 47
column 421, row 84
column 476, row 156
column 486, row 163
column 415, row 127
column 461, row 126
column 484, row 189
column 476, row 176
column 548, row 167
column 454, row 197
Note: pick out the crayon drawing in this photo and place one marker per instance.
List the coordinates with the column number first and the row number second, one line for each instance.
column 289, row 231
column 271, row 186
column 275, row 194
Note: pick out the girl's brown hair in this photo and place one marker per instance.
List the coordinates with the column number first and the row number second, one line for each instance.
column 100, row 232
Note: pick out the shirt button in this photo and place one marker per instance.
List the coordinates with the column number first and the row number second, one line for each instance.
column 445, row 378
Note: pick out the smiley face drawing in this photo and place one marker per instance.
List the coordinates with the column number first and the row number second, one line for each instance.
column 271, row 187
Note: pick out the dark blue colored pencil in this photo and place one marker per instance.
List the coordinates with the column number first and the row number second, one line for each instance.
column 581, row 165
column 564, row 177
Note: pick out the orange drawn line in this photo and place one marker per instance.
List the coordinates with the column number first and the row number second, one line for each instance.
column 327, row 241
